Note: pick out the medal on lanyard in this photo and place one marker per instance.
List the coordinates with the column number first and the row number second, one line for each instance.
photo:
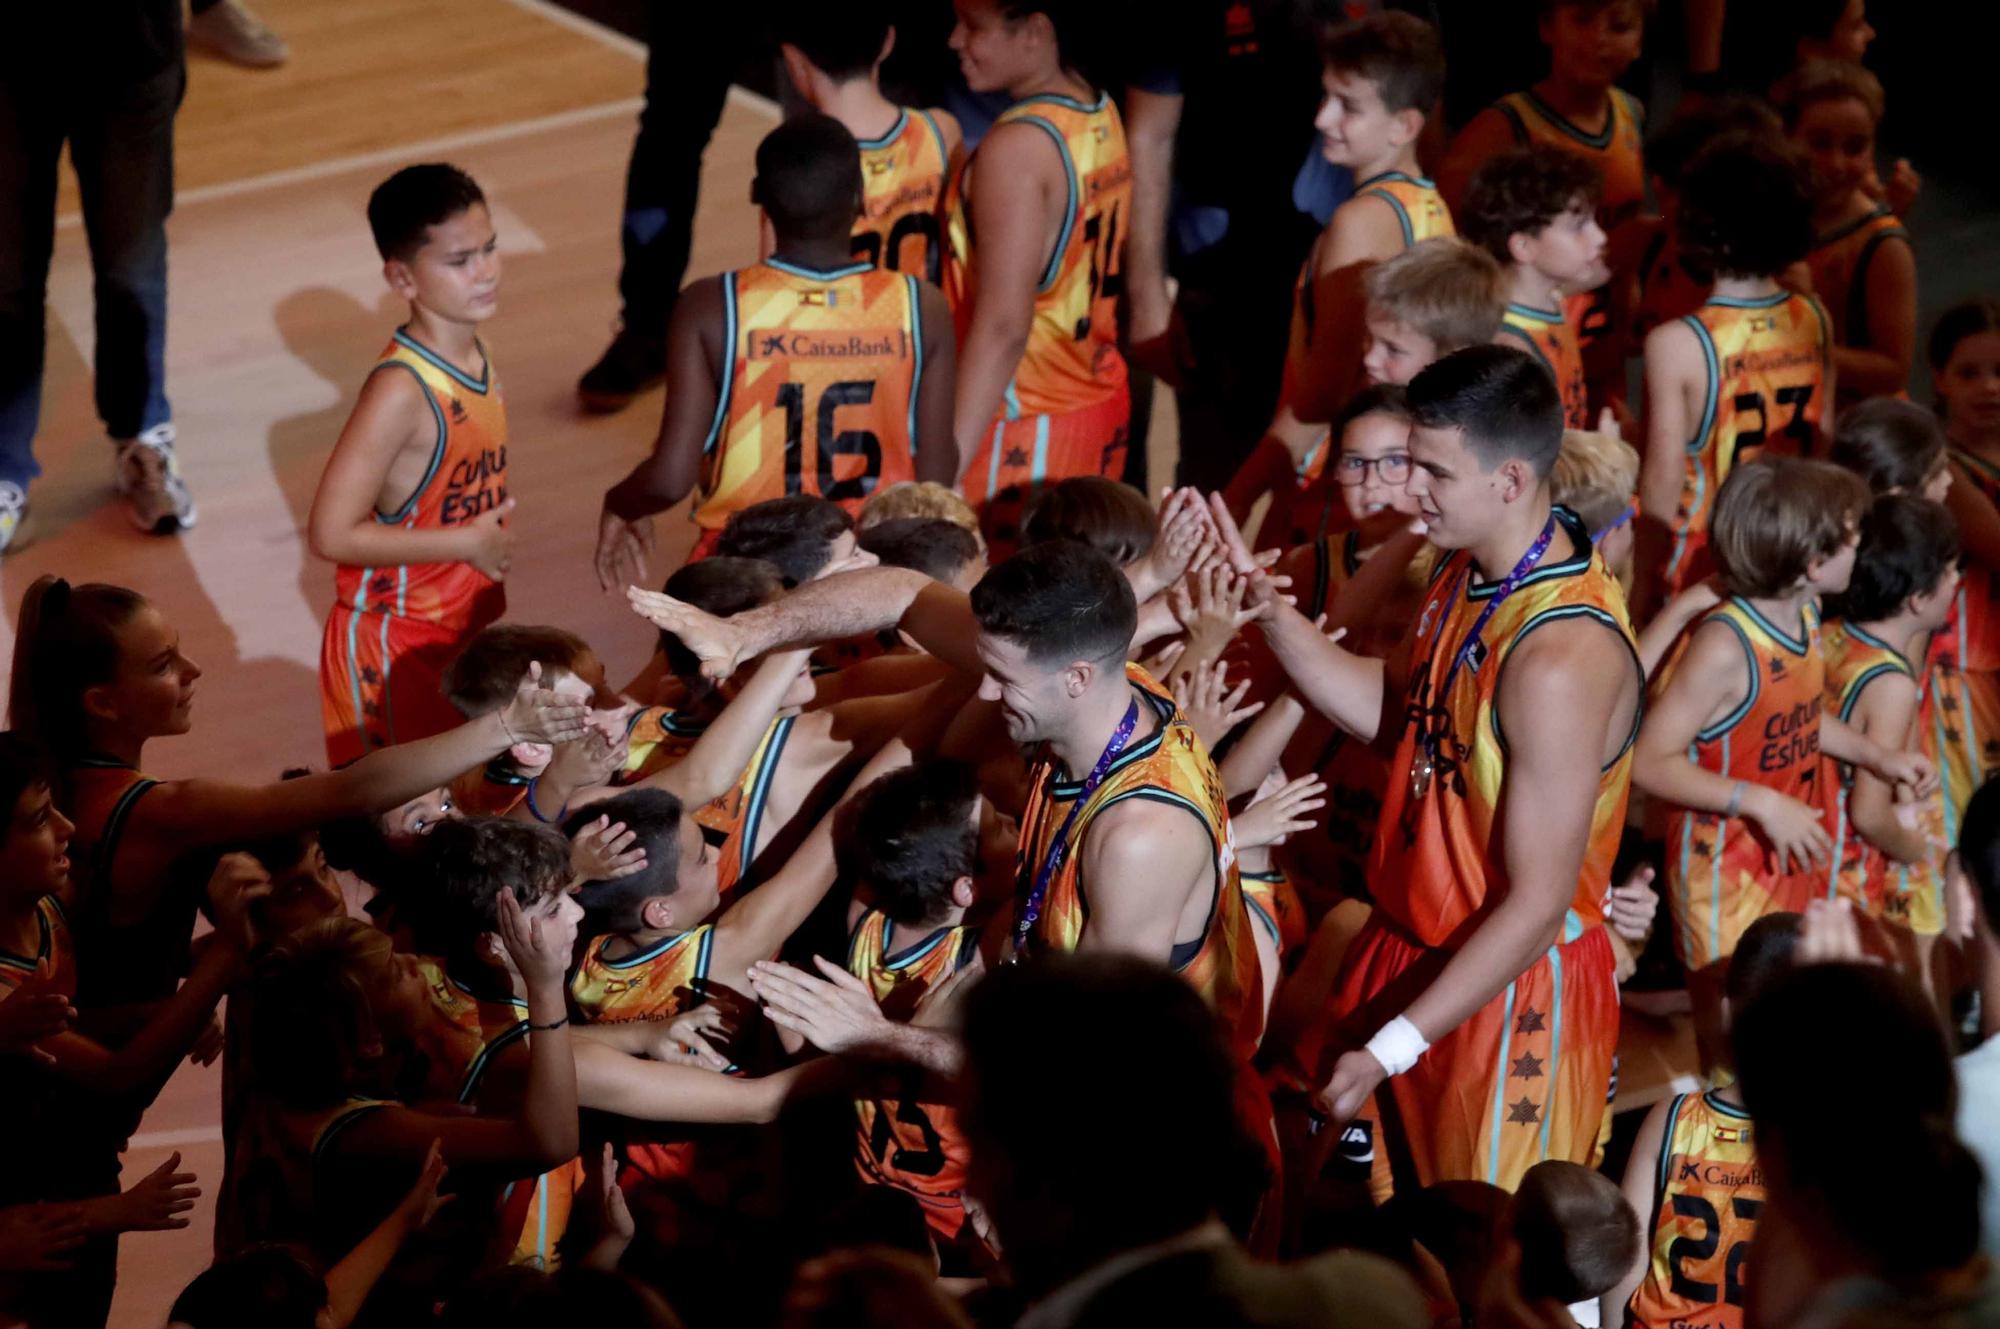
column 1031, row 908
column 1424, row 768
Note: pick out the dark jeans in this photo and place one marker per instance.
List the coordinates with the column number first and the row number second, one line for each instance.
column 121, row 140
column 693, row 52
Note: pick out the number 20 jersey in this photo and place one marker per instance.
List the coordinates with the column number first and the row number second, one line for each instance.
column 819, row 395
column 1704, row 1217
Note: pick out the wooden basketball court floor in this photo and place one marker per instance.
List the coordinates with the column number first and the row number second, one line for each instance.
column 277, row 309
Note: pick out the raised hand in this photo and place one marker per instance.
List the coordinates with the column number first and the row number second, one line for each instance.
column 540, row 946
column 1209, row 707
column 157, row 1202
column 687, row 1040
column 624, row 549
column 837, row 1013
column 1209, row 607
column 491, row 542
column 420, row 1204
column 1180, row 531
column 539, row 714
column 615, row 1227
column 236, row 884
column 712, row 640
column 1280, row 809
column 605, row 851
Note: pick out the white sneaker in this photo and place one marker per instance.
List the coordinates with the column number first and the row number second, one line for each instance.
column 237, row 35
column 150, row 481
column 13, row 511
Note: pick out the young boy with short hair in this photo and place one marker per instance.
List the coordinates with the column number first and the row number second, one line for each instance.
column 833, row 56
column 803, row 536
column 1596, row 476
column 1533, row 210
column 1734, row 739
column 412, row 505
column 1750, row 371
column 484, row 676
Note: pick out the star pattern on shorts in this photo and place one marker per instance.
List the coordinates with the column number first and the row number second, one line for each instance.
column 1015, row 457
column 1531, row 1022
column 1524, row 1113
column 1527, row 1066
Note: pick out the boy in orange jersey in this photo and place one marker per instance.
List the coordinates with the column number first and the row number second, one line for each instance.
column 833, row 55
column 1751, row 370
column 1474, row 1018
column 1532, row 209
column 1694, row 1179
column 1035, row 266
column 1887, row 857
column 484, row 676
column 808, row 373
column 412, row 505
column 1864, row 272
column 1383, row 77
column 1734, row 739
column 1579, row 110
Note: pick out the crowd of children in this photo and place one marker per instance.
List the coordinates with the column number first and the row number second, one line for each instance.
column 1593, row 542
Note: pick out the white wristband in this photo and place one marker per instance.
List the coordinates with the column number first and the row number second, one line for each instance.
column 1397, row 1045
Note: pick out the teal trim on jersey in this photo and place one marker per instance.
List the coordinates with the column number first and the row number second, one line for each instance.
column 1150, row 744
column 44, row 945
column 1771, row 301
column 1563, row 125
column 389, row 663
column 437, row 449
column 1666, row 1153
column 817, row 274
column 1860, row 685
column 338, row 1125
column 1715, row 875
column 1756, row 667
column 1697, row 477
column 1038, row 468
column 917, row 351
column 1578, row 561
column 1402, row 213
column 895, row 132
column 728, row 385
column 1265, row 921
column 354, row 653
column 1557, row 614
column 897, row 962
column 993, row 457
column 1555, row 1038
column 1010, row 402
column 1796, row 645
column 1053, row 268
column 760, row 792
column 1528, row 344
column 1857, row 289
column 477, row 1071
column 1845, row 229
column 1730, row 1110
column 700, row 935
column 1500, row 1088
column 114, row 832
column 479, row 385
column 1089, row 108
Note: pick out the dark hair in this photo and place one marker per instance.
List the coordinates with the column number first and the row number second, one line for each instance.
column 1967, row 318
column 794, row 534
column 1978, row 847
column 1521, row 191
column 1908, row 543
column 1548, row 7
column 65, row 643
column 23, row 766
column 1375, row 399
column 1776, row 516
column 469, row 862
column 312, row 1018
column 404, row 207
column 1399, row 53
column 1080, row 29
column 1693, row 127
column 1060, row 601
column 486, row 674
column 1108, row 515
column 842, row 41
column 808, row 178
column 909, row 835
column 937, row 548
column 654, row 818
column 1911, row 1206
column 1890, row 444
column 722, row 586
column 1764, row 951
column 1577, row 1233
column 1827, row 81
column 1502, row 397
column 1745, row 210
column 265, row 1286
column 1122, row 1019
column 522, row 1297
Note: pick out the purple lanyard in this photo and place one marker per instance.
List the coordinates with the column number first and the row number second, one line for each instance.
column 1505, row 589
column 1031, row 908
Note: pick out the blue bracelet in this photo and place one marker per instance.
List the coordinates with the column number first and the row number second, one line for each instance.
column 536, row 812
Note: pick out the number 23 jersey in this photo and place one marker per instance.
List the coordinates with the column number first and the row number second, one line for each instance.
column 819, row 394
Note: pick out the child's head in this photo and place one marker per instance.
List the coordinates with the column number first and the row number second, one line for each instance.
column 1576, row 1232
column 1829, row 29
column 1487, row 426
column 1744, row 209
column 34, row 856
column 1831, row 112
column 91, row 659
column 1108, row 515
column 941, row 550
column 1003, row 43
column 722, row 586
column 1383, row 75
column 484, row 676
column 1595, row 477
column 800, row 535
column 1764, row 951
column 470, row 862
column 1964, row 354
column 808, row 179
column 825, row 46
column 1373, row 463
column 1592, row 42
column 266, row 1286
column 1896, row 447
column 437, row 242
column 1782, row 525
column 303, row 888
column 1679, row 142
column 909, row 842
column 331, row 1001
column 1907, row 563
column 919, row 498
column 1536, row 206
column 677, row 887
column 1435, row 297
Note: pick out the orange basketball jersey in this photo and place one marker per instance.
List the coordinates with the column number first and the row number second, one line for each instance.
column 1169, row 766
column 645, row 985
column 467, row 477
column 1416, row 201
column 1547, row 332
column 733, row 822
column 1617, row 150
column 1767, row 361
column 1704, row 1217
column 656, row 738
column 1839, row 262
column 1072, row 361
column 1721, row 876
column 820, row 392
column 1274, row 907
column 53, row 947
column 913, row 1141
column 903, row 177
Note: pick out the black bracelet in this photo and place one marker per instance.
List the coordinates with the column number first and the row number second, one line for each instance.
column 544, row 1028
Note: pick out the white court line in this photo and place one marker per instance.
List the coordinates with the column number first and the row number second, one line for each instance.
column 175, row 1139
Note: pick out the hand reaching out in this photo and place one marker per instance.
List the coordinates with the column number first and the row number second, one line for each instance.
column 1179, row 532
column 422, row 1201
column 1829, row 935
column 605, row 851
column 539, row 714
column 1279, row 809
column 31, row 1013
column 1209, row 607
column 615, row 1227
column 38, row 1238
column 624, row 549
column 714, row 641
column 208, row 1043
column 1210, row 709
column 837, row 1013
column 157, row 1202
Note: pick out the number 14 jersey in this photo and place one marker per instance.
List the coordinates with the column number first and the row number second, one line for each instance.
column 819, row 395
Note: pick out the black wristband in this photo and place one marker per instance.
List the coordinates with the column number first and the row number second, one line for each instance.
column 544, row 1028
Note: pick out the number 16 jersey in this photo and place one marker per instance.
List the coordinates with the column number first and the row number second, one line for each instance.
column 819, row 395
